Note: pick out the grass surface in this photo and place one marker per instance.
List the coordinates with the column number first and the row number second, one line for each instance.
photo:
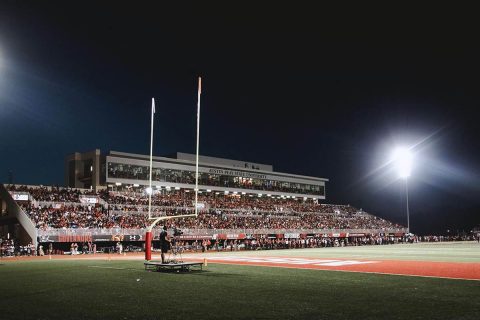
column 100, row 289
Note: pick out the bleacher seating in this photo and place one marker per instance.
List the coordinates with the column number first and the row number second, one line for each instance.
column 222, row 211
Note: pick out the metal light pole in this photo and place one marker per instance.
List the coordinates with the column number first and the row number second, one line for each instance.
column 408, row 211
column 402, row 158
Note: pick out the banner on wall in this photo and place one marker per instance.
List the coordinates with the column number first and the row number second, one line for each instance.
column 20, row 197
column 92, row 200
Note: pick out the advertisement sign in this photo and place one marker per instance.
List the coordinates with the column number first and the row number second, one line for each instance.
column 92, row 200
column 194, row 237
column 292, row 235
column 200, row 205
column 20, row 197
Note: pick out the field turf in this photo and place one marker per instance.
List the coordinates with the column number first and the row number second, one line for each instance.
column 121, row 289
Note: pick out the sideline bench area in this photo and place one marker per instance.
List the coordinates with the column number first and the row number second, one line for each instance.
column 181, row 266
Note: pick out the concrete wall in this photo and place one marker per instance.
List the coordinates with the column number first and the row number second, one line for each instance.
column 83, row 176
column 13, row 215
column 224, row 162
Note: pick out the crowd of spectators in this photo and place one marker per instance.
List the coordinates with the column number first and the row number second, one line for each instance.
column 10, row 247
column 136, row 172
column 52, row 194
column 220, row 211
column 267, row 203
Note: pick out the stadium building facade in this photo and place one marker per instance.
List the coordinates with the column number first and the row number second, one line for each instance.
column 118, row 170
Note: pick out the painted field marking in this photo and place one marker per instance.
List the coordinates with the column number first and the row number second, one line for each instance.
column 444, row 270
column 114, row 268
column 344, row 263
column 293, row 261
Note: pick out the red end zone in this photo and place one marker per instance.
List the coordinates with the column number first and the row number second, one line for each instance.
column 450, row 270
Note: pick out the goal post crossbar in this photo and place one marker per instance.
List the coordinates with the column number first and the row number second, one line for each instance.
column 148, row 234
column 158, row 219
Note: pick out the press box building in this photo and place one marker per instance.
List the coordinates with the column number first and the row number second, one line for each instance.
column 120, row 169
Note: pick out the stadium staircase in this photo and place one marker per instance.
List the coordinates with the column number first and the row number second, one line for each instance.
column 11, row 213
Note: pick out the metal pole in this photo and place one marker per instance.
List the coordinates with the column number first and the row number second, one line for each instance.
column 198, row 139
column 408, row 211
column 148, row 234
column 151, row 156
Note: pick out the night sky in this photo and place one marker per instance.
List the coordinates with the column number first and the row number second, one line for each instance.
column 313, row 91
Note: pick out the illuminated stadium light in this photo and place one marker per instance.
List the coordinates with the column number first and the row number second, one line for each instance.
column 217, row 192
column 227, row 192
column 259, row 195
column 304, row 198
column 159, row 187
column 269, row 195
column 118, row 184
column 177, row 188
column 235, row 192
column 136, row 185
column 244, row 193
column 187, row 190
column 402, row 158
column 148, row 190
column 208, row 190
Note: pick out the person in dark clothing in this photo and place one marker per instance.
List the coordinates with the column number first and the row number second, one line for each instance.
column 164, row 243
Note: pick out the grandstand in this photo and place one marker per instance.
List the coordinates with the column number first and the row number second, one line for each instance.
column 239, row 202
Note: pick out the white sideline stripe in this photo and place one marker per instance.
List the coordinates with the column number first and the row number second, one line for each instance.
column 344, row 263
column 115, row 268
column 316, row 262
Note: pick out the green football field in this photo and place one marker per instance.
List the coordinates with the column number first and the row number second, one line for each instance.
column 121, row 289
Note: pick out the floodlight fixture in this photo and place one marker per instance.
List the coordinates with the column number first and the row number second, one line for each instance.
column 403, row 158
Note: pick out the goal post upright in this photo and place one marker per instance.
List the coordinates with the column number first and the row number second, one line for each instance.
column 198, row 139
column 148, row 234
column 150, row 190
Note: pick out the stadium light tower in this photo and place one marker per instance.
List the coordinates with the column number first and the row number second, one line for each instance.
column 402, row 158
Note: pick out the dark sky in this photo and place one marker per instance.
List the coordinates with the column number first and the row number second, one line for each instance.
column 311, row 90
